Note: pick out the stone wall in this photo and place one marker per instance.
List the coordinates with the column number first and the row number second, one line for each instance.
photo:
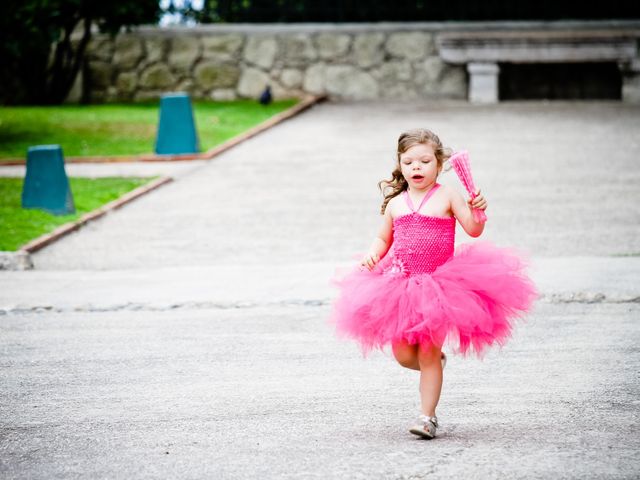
column 346, row 61
column 228, row 62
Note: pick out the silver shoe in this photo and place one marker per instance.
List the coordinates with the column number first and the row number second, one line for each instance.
column 426, row 427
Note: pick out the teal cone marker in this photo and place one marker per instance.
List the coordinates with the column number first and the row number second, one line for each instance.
column 46, row 185
column 176, row 128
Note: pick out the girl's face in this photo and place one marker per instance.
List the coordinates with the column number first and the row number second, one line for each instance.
column 419, row 166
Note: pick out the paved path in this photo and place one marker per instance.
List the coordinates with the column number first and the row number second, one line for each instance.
column 562, row 180
column 185, row 335
column 119, row 169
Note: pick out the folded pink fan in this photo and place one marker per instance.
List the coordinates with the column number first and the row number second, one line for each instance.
column 460, row 163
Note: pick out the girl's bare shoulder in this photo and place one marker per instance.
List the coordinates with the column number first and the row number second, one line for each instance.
column 392, row 206
column 394, row 201
column 448, row 192
column 446, row 189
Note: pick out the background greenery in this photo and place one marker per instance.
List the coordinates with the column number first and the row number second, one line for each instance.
column 404, row 10
column 18, row 226
column 39, row 59
column 120, row 129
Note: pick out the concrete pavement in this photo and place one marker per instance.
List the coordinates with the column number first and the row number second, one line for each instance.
column 561, row 180
column 117, row 169
column 185, row 335
column 267, row 392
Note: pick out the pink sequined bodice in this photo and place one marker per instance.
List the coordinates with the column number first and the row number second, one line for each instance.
column 421, row 243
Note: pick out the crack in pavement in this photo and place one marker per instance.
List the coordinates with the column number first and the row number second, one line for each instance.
column 555, row 298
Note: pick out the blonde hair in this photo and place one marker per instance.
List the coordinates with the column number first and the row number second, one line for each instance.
column 397, row 183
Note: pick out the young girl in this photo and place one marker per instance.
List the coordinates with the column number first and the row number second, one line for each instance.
column 412, row 293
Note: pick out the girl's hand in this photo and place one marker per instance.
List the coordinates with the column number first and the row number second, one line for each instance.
column 478, row 201
column 370, row 260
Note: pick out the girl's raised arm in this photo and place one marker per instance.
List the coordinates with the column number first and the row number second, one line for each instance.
column 462, row 211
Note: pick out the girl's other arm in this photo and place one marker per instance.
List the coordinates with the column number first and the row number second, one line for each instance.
column 381, row 243
column 462, row 211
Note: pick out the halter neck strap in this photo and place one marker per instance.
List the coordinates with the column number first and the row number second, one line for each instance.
column 424, row 199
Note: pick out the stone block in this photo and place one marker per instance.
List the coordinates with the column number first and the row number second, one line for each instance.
column 157, row 76
column 410, row 45
column 315, row 78
column 367, row 49
column 128, row 51
column 223, row 95
column 260, row 51
column 187, row 86
column 208, row 75
column 437, row 79
column 394, row 71
column 156, row 48
column 454, row 83
column 112, row 95
column 183, row 53
column 199, row 94
column 429, row 71
column 291, row 78
column 252, row 82
column 332, row 45
column 126, row 82
column 297, row 50
column 280, row 92
column 346, row 81
column 101, row 47
column 222, row 47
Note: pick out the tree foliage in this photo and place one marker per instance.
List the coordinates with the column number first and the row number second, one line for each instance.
column 43, row 42
column 403, row 10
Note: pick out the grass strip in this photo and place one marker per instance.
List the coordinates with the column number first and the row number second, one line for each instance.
column 121, row 129
column 18, row 226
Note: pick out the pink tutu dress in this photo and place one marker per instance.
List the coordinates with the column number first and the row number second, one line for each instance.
column 422, row 293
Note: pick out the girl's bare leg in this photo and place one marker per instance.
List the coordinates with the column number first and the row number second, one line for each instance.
column 429, row 359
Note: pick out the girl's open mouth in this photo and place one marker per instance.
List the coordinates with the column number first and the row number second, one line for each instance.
column 417, row 177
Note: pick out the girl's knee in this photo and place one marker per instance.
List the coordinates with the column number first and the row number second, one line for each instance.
column 406, row 355
column 428, row 354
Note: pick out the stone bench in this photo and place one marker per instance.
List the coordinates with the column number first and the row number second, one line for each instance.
column 483, row 51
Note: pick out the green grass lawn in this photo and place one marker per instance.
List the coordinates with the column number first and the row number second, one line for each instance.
column 118, row 129
column 18, row 226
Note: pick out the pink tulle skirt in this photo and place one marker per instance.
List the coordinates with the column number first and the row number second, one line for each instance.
column 469, row 303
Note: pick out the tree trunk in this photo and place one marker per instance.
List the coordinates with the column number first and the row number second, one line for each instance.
column 67, row 62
